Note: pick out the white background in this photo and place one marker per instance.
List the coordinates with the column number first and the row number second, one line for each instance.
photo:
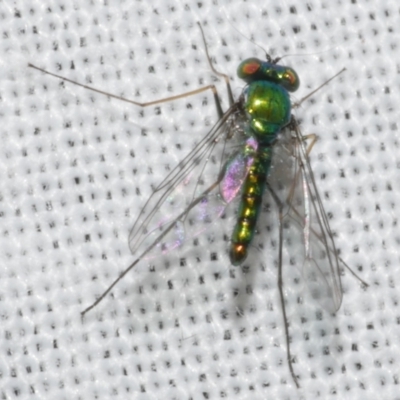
column 75, row 168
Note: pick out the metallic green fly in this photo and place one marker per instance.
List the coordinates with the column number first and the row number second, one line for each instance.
column 260, row 149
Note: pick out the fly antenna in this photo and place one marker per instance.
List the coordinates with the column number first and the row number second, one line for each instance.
column 267, row 55
column 306, row 54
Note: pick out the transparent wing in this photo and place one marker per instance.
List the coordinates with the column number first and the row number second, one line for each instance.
column 197, row 190
column 187, row 201
column 293, row 180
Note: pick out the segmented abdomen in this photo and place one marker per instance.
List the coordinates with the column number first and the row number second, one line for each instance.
column 250, row 203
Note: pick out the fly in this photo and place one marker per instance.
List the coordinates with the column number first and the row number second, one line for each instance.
column 262, row 150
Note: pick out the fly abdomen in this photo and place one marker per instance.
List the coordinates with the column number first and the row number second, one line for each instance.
column 250, row 203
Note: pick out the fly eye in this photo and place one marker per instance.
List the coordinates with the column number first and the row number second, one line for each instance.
column 291, row 79
column 251, row 68
column 248, row 68
column 289, row 76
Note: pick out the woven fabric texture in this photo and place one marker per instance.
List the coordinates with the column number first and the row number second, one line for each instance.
column 76, row 167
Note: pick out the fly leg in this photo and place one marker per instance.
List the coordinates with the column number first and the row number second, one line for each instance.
column 303, row 99
column 223, row 76
column 165, row 99
column 280, row 285
column 136, row 103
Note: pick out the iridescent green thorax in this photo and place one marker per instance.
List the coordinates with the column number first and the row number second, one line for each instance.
column 267, row 106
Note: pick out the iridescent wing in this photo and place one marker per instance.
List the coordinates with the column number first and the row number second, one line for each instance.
column 293, row 180
column 189, row 195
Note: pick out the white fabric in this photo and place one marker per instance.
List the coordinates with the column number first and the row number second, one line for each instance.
column 76, row 167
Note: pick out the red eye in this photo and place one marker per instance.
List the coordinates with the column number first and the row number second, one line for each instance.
column 290, row 77
column 251, row 68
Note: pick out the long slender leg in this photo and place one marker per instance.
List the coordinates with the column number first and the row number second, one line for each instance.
column 224, row 76
column 303, row 99
column 168, row 228
column 147, row 104
column 280, row 285
column 165, row 99
column 313, row 138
